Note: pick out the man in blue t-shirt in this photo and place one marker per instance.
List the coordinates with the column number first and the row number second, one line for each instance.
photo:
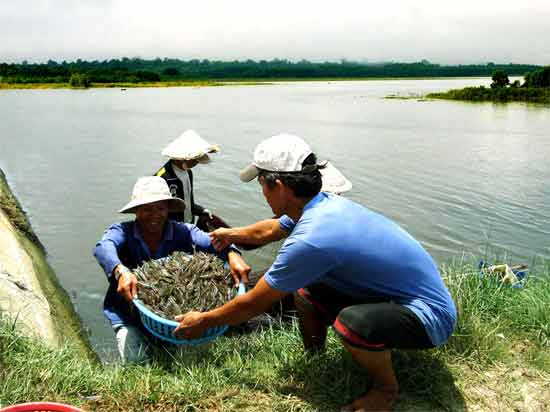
column 347, row 266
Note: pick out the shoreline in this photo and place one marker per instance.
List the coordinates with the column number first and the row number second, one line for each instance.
column 31, row 294
column 217, row 82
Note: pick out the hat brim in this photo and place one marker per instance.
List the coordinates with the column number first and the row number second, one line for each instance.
column 175, row 204
column 167, row 152
column 204, row 159
column 249, row 173
column 333, row 180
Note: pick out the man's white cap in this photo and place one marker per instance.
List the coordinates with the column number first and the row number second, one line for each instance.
column 286, row 153
column 151, row 189
column 190, row 146
column 280, row 153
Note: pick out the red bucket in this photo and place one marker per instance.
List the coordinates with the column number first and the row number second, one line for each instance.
column 41, row 407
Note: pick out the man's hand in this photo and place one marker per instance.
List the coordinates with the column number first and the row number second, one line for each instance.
column 239, row 268
column 257, row 234
column 220, row 238
column 127, row 286
column 192, row 325
column 208, row 213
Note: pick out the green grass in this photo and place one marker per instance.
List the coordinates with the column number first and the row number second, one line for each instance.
column 501, row 343
column 128, row 85
column 489, row 309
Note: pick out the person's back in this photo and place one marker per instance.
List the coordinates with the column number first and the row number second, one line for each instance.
column 360, row 251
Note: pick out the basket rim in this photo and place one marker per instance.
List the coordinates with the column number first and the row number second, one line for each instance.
column 143, row 309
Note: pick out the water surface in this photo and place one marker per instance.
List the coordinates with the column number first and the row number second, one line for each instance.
column 460, row 177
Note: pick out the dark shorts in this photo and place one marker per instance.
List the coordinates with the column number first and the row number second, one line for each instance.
column 373, row 322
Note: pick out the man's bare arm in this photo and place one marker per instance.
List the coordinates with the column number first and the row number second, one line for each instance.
column 259, row 233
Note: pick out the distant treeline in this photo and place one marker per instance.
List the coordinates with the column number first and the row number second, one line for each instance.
column 139, row 70
column 535, row 88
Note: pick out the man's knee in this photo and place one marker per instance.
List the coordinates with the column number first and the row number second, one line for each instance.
column 382, row 326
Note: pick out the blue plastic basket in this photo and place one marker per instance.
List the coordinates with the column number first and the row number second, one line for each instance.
column 164, row 328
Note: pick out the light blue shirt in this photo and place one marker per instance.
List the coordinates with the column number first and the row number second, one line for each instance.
column 353, row 250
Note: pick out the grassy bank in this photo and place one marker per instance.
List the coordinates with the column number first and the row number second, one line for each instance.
column 212, row 83
column 498, row 359
column 109, row 85
column 66, row 321
column 128, row 85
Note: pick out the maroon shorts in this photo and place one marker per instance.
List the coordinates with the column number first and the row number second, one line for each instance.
column 373, row 322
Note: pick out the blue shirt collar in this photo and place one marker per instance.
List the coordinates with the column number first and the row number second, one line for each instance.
column 313, row 202
column 319, row 197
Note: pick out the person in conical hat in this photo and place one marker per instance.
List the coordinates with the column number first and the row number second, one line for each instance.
column 127, row 245
column 184, row 153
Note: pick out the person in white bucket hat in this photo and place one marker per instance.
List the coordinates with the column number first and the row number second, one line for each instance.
column 333, row 180
column 347, row 267
column 184, row 153
column 127, row 245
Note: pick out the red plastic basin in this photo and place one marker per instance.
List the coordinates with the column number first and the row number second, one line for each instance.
column 41, row 407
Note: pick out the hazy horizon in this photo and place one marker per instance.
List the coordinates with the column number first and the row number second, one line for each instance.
column 366, row 62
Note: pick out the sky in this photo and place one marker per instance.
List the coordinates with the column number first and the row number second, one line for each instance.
column 445, row 32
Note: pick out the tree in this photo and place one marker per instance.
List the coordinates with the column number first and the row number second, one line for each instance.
column 538, row 78
column 171, row 71
column 147, row 76
column 500, row 79
column 79, row 80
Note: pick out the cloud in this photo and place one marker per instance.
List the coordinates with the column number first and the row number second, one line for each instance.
column 465, row 32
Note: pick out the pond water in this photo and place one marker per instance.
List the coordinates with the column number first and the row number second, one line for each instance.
column 460, row 177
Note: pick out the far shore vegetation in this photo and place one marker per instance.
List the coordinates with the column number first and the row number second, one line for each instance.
column 535, row 88
column 497, row 359
column 158, row 72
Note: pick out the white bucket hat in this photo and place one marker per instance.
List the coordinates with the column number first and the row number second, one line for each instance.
column 286, row 153
column 151, row 189
column 190, row 146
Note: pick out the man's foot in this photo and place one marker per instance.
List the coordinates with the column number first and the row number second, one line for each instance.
column 375, row 400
